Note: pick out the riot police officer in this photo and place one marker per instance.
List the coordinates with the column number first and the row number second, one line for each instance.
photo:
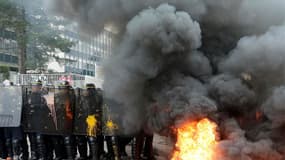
column 65, row 101
column 37, row 117
column 79, row 124
column 90, row 113
column 99, row 113
column 97, row 145
column 13, row 137
column 54, row 142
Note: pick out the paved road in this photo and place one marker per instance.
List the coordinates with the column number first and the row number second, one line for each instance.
column 162, row 147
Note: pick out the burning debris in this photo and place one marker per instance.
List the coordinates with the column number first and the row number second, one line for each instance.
column 196, row 141
column 187, row 60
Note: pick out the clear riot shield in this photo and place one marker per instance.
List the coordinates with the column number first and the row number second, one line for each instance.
column 88, row 116
column 38, row 110
column 10, row 106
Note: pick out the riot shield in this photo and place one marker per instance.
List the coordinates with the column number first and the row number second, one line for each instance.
column 111, row 117
column 38, row 111
column 64, row 99
column 88, row 112
column 10, row 106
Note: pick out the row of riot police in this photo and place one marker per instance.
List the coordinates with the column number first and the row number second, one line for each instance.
column 60, row 123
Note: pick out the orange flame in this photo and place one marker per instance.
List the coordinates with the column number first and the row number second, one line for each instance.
column 195, row 141
column 68, row 110
column 258, row 115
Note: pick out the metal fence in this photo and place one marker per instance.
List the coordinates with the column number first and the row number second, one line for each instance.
column 51, row 79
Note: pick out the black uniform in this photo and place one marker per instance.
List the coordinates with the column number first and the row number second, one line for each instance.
column 80, row 125
column 65, row 101
column 37, row 120
column 3, row 152
column 143, row 144
column 13, row 136
column 88, row 105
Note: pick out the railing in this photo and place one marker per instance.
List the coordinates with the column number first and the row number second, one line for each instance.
column 50, row 79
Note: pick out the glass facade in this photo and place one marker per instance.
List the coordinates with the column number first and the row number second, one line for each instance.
column 8, row 58
column 87, row 52
column 8, row 49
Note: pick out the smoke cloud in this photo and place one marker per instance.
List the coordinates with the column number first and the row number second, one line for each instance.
column 178, row 99
column 156, row 40
column 262, row 57
column 274, row 107
column 183, row 60
column 237, row 147
column 231, row 94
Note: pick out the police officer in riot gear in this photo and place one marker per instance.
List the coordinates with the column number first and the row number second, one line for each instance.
column 111, row 130
column 96, row 143
column 54, row 142
column 65, row 101
column 99, row 113
column 90, row 114
column 13, row 137
column 38, row 119
column 80, row 118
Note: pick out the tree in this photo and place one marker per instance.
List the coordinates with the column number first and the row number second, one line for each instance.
column 4, row 70
column 35, row 36
column 44, row 38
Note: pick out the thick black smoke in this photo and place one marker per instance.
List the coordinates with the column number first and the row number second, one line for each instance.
column 183, row 60
column 156, row 40
column 260, row 56
column 231, row 94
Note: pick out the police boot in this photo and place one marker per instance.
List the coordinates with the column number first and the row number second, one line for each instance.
column 109, row 146
column 59, row 149
column 69, row 148
column 93, row 148
column 3, row 154
column 122, row 143
column 82, row 147
column 100, row 145
column 33, row 145
column 148, row 148
column 40, row 147
column 25, row 149
column 16, row 149
column 9, row 149
column 137, row 146
column 115, row 148
column 49, row 147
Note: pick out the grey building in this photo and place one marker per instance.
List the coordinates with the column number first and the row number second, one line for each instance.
column 8, row 50
column 87, row 53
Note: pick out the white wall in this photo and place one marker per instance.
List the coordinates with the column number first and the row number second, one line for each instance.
column 96, row 81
